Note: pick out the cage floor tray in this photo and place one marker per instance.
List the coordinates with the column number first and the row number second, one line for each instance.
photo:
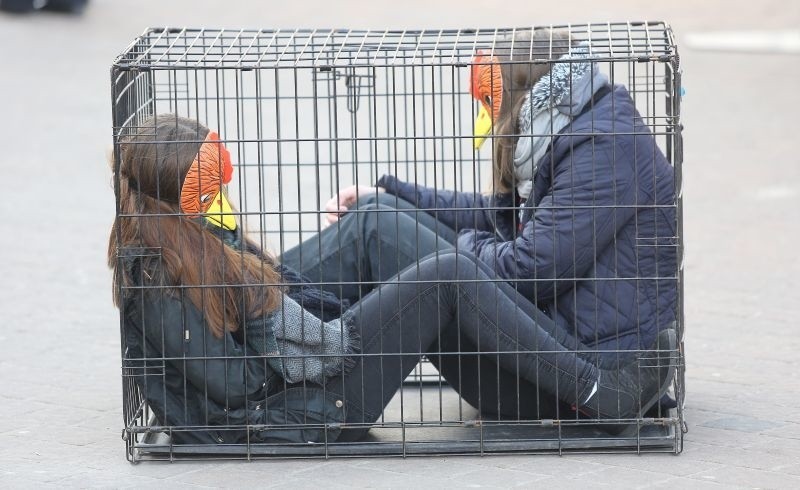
column 423, row 433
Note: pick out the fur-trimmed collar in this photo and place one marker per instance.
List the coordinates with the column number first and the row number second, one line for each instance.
column 550, row 105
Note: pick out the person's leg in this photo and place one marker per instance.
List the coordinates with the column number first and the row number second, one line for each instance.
column 488, row 318
column 395, row 332
column 368, row 245
column 480, row 381
column 477, row 378
column 400, row 320
column 423, row 218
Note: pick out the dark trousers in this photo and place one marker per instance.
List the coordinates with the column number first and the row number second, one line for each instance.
column 443, row 304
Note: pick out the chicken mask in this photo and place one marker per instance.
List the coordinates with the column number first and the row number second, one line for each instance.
column 201, row 192
column 487, row 88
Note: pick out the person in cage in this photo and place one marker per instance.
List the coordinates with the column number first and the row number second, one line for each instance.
column 220, row 337
column 580, row 217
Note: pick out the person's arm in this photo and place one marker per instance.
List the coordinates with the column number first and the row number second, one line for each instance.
column 589, row 202
column 215, row 366
column 458, row 210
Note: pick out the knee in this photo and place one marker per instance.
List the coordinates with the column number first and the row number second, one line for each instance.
column 463, row 258
column 367, row 208
column 376, row 217
column 457, row 263
column 381, row 199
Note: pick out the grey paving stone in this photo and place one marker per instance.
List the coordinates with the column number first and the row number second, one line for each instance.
column 742, row 424
column 421, row 467
column 24, row 483
column 786, row 431
column 665, row 464
column 619, row 477
column 749, row 477
column 221, row 475
column 506, row 479
column 286, row 469
column 722, row 438
column 60, row 406
column 105, row 480
column 731, row 457
column 340, row 473
column 551, row 465
column 294, row 484
column 40, row 472
column 708, row 483
column 118, row 466
column 790, row 469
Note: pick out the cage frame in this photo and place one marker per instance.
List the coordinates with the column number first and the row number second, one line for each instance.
column 132, row 80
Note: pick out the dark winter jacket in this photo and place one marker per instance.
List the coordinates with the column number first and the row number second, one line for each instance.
column 595, row 245
column 196, row 383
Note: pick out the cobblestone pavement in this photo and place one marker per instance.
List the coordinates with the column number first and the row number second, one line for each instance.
column 60, row 401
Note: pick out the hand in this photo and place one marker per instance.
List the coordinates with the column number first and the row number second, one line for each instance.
column 341, row 202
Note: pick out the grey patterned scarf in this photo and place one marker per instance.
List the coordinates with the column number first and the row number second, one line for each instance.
column 549, row 107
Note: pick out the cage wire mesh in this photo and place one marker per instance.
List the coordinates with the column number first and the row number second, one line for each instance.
column 307, row 113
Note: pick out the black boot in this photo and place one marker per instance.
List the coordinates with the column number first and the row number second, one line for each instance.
column 17, row 6
column 69, row 6
column 629, row 392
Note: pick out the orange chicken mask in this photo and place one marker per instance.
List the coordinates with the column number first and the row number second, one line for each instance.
column 487, row 88
column 201, row 192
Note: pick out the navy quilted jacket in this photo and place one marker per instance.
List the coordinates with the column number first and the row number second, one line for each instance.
column 595, row 245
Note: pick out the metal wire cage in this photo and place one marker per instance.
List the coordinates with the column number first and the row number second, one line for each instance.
column 306, row 113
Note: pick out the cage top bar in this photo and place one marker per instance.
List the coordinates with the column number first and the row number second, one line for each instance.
column 197, row 48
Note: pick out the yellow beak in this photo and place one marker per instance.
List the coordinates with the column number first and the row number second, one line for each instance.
column 220, row 213
column 483, row 126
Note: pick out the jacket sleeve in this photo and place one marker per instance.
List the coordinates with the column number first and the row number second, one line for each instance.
column 215, row 366
column 458, row 210
column 589, row 201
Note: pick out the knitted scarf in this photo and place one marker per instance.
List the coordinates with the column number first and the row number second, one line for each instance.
column 549, row 107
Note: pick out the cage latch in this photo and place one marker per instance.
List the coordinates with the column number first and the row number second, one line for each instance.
column 355, row 83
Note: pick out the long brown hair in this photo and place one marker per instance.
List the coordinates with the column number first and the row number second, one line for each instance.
column 226, row 284
column 541, row 45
